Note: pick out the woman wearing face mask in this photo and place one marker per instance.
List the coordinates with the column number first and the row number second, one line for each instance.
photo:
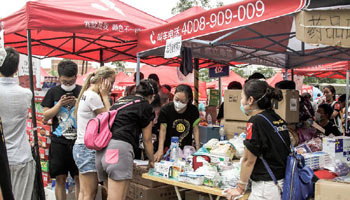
column 93, row 100
column 179, row 118
column 115, row 162
column 263, row 141
column 322, row 117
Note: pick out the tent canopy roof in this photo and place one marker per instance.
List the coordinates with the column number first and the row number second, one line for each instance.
column 331, row 70
column 252, row 31
column 94, row 30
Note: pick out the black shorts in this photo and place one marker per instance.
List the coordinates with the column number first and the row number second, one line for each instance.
column 61, row 157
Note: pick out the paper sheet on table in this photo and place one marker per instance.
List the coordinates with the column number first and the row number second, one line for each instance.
column 140, row 162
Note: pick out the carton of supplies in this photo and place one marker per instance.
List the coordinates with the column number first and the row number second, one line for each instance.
column 234, row 127
column 288, row 108
column 140, row 192
column 337, row 147
column 317, row 160
column 224, row 149
column 137, row 177
column 191, row 178
column 163, row 168
column 326, row 190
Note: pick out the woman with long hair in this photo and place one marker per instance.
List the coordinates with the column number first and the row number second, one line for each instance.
column 135, row 115
column 262, row 142
column 93, row 100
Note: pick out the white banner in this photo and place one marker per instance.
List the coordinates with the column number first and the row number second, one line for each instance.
column 173, row 47
column 23, row 68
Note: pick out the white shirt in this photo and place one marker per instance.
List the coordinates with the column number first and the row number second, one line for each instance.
column 89, row 102
column 14, row 103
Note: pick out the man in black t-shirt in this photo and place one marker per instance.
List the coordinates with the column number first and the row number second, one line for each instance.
column 59, row 105
column 5, row 177
column 322, row 116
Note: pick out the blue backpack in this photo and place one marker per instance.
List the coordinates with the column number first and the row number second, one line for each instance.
column 298, row 183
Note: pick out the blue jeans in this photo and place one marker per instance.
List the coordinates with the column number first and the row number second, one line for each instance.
column 84, row 158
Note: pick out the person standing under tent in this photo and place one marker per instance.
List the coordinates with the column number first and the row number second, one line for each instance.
column 115, row 162
column 330, row 98
column 58, row 105
column 130, row 90
column 262, row 140
column 234, row 85
column 179, row 118
column 14, row 103
column 93, row 100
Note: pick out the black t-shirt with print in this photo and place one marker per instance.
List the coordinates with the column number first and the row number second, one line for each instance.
column 130, row 121
column 263, row 140
column 63, row 123
column 331, row 128
column 179, row 125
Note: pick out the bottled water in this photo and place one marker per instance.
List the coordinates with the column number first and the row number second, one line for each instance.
column 222, row 133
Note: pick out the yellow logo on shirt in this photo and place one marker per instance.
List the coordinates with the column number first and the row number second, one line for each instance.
column 180, row 128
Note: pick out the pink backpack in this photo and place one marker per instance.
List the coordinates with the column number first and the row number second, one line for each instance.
column 98, row 130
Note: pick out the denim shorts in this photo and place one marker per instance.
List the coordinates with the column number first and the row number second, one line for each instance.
column 84, row 158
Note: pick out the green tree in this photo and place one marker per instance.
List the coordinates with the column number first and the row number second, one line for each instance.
column 204, row 75
column 119, row 65
column 183, row 5
column 268, row 72
column 240, row 72
column 314, row 80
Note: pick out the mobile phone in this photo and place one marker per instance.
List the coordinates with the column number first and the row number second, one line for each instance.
column 69, row 94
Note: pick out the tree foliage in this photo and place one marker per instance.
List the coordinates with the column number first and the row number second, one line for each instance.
column 183, row 5
column 314, row 80
column 119, row 65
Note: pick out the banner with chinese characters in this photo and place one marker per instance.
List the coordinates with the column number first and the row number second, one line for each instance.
column 220, row 71
column 218, row 20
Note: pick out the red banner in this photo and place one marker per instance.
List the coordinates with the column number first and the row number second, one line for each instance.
column 217, row 20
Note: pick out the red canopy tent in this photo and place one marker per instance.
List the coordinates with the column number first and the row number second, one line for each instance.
column 225, row 81
column 275, row 79
column 331, row 70
column 252, row 31
column 93, row 30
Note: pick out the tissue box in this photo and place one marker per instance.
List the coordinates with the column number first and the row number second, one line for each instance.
column 337, row 147
column 163, row 168
column 317, row 160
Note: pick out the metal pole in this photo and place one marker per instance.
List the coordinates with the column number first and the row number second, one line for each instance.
column 101, row 58
column 138, row 69
column 220, row 91
column 196, row 81
column 347, row 102
column 39, row 179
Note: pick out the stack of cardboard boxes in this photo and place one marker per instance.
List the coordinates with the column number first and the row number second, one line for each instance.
column 143, row 189
column 235, row 121
column 44, row 132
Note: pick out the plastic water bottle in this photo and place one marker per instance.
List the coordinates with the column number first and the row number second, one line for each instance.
column 174, row 149
column 222, row 133
column 236, row 135
column 209, row 120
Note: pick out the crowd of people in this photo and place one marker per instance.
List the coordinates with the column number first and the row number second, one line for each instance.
column 143, row 128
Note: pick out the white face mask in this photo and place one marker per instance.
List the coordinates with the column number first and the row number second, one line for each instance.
column 68, row 88
column 179, row 106
column 318, row 117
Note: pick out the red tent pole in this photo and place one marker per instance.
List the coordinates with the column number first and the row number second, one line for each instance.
column 39, row 180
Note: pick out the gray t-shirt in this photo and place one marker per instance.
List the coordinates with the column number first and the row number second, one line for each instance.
column 14, row 104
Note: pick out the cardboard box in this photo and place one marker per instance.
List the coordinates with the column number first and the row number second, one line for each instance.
column 137, row 177
column 194, row 195
column 140, row 192
column 325, row 27
column 44, row 154
column 326, row 190
column 232, row 127
column 46, row 178
column 212, row 110
column 232, row 99
column 337, row 147
column 288, row 108
column 44, row 166
column 44, row 141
